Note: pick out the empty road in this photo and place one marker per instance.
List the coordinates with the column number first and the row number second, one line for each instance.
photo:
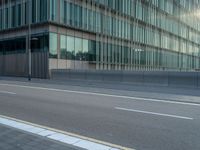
column 116, row 116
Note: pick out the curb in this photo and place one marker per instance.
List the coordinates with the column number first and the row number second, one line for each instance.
column 58, row 135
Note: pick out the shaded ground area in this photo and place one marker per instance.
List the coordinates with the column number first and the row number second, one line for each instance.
column 13, row 139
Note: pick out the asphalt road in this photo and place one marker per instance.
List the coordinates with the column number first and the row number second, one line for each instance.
column 115, row 116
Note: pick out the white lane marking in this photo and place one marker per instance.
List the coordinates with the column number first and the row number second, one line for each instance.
column 7, row 92
column 154, row 113
column 106, row 95
column 60, row 136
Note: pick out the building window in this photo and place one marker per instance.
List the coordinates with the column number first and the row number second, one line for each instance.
column 78, row 49
column 53, row 40
column 85, row 56
column 92, row 51
column 63, row 47
column 18, row 46
column 39, row 43
column 53, row 10
column 70, row 48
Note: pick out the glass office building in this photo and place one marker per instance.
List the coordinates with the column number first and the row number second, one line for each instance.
column 106, row 34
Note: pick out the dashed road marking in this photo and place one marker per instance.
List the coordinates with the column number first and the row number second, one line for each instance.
column 7, row 92
column 154, row 113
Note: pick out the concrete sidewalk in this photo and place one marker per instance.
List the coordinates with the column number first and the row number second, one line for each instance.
column 14, row 139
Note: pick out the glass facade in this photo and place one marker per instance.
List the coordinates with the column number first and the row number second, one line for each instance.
column 74, row 48
column 136, row 34
column 126, row 34
column 17, row 46
column 14, row 13
column 39, row 43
